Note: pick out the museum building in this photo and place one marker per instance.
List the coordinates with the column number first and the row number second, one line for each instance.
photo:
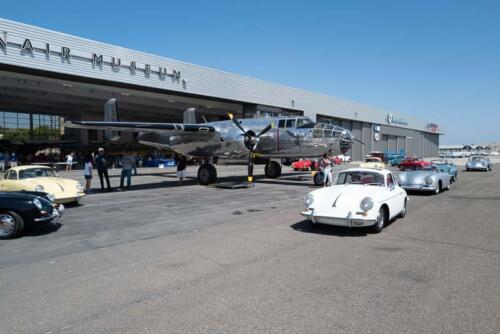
column 48, row 77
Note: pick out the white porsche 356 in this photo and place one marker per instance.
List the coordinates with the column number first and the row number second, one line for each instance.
column 358, row 197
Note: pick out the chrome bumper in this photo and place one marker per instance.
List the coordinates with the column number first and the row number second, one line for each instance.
column 418, row 187
column 57, row 213
column 337, row 221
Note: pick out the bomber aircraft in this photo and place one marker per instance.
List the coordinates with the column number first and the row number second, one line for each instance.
column 268, row 139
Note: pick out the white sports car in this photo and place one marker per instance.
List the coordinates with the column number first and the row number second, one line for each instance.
column 358, row 197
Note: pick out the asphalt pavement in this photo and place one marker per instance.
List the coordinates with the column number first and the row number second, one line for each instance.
column 164, row 258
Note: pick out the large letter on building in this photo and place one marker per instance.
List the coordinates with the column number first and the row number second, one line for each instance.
column 65, row 52
column 27, row 46
column 96, row 60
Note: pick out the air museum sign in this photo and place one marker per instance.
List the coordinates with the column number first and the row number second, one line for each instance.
column 95, row 59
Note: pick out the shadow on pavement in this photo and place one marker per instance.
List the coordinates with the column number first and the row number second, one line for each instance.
column 306, row 226
column 43, row 229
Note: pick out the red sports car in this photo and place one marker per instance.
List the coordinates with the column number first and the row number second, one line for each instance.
column 413, row 164
column 305, row 164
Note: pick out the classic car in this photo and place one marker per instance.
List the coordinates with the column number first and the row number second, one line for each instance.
column 413, row 163
column 22, row 208
column 378, row 154
column 373, row 162
column 42, row 179
column 304, row 164
column 447, row 167
column 478, row 163
column 395, row 159
column 428, row 178
column 358, row 197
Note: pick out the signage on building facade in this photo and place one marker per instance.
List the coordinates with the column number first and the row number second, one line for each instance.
column 376, row 132
column 432, row 127
column 95, row 59
column 392, row 119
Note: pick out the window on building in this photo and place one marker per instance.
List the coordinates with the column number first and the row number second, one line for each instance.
column 25, row 126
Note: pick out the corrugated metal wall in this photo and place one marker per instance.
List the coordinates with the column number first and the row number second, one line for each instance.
column 194, row 79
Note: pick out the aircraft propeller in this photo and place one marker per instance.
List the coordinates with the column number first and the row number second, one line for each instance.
column 251, row 142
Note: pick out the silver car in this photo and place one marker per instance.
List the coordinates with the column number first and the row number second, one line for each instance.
column 428, row 178
column 479, row 163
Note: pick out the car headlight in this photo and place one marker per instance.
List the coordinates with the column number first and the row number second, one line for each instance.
column 366, row 204
column 39, row 188
column 428, row 180
column 37, row 203
column 308, row 200
column 51, row 197
column 79, row 186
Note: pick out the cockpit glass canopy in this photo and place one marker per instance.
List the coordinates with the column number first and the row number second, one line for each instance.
column 305, row 123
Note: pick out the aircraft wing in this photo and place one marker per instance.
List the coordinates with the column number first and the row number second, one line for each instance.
column 173, row 128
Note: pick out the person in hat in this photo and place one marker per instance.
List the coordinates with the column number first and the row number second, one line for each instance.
column 101, row 164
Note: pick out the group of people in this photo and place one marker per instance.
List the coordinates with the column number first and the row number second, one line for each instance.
column 325, row 165
column 101, row 162
column 7, row 160
column 128, row 162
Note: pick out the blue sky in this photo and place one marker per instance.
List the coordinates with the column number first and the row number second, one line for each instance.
column 438, row 60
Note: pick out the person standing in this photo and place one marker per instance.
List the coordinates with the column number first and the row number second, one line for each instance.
column 69, row 162
column 13, row 160
column 2, row 161
column 128, row 163
column 181, row 168
column 87, row 172
column 326, row 166
column 101, row 163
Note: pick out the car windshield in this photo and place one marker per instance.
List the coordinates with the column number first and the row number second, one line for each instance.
column 477, row 158
column 36, row 172
column 372, row 160
column 361, row 177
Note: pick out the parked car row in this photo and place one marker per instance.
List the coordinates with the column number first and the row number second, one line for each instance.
column 371, row 195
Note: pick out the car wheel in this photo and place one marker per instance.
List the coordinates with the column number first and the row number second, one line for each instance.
column 11, row 225
column 439, row 188
column 318, row 179
column 403, row 212
column 380, row 222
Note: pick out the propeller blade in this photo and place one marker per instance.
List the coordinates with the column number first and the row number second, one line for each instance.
column 359, row 141
column 250, row 167
column 267, row 128
column 238, row 125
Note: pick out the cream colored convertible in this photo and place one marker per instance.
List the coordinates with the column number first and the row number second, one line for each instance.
column 42, row 178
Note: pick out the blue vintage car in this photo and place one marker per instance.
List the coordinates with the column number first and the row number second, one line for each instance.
column 395, row 159
column 447, row 167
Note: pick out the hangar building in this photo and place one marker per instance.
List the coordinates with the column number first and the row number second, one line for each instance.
column 47, row 77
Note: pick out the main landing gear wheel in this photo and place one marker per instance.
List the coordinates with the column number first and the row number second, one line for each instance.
column 207, row 174
column 318, row 179
column 272, row 169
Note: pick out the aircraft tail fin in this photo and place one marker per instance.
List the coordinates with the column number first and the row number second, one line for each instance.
column 189, row 116
column 111, row 115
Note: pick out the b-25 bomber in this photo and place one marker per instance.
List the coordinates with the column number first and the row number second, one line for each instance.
column 268, row 139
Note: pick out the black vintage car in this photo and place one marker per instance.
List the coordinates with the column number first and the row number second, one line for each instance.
column 20, row 209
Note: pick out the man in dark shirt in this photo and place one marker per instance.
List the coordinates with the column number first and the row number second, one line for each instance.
column 101, row 164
